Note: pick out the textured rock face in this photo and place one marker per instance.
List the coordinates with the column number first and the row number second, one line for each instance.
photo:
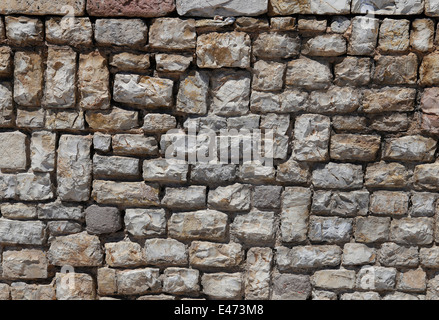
column 99, row 201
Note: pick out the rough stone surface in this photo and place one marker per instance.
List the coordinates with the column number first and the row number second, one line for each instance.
column 142, row 8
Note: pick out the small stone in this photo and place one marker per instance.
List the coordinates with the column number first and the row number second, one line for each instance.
column 217, row 50
column 395, row 122
column 423, row 204
column 410, row 148
column 28, row 79
column 192, row 197
column 389, row 203
column 74, row 168
column 24, row 291
column 330, row 229
column 307, row 257
column 428, row 70
column 276, row 46
column 293, row 172
column 283, row 23
column 134, row 145
column 93, row 81
column 173, row 62
column 296, row 202
column 341, row 203
column 291, row 287
column 312, row 25
column 372, row 229
column 364, row 36
column 222, row 285
column 138, row 281
column 143, row 91
column 25, row 264
column 230, row 93
column 257, row 277
column 155, row 122
column 13, row 150
column 4, row 292
column 308, row 74
column 5, row 61
column 207, row 255
column 34, row 186
column 213, row 173
column 125, row 193
column 426, row 176
column 328, row 45
column 387, row 7
column 338, row 176
column 387, row 175
column 349, row 123
column 353, row 71
column 26, row 118
column 165, row 252
column 394, row 35
column 115, row 167
column 254, row 228
column 389, row 100
column 394, row 255
column 429, row 257
column 340, row 279
column 130, row 62
column 421, row 37
column 172, row 33
column 101, row 220
column 412, row 231
column 251, row 24
column 102, row 142
column 394, row 70
column 350, row 147
column 8, row 186
column 193, row 93
column 324, row 295
column 181, row 281
column 355, row 254
column 74, row 286
column 145, row 222
column 61, row 120
column 6, row 104
column 78, row 250
column 412, row 281
column 267, row 197
column 284, row 7
column 73, row 31
column 340, row 24
column 121, row 32
column 376, row 278
column 24, row 31
column 334, row 100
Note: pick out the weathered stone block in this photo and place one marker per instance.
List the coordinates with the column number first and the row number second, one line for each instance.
column 328, row 45
column 258, row 277
column 125, row 193
column 410, row 148
column 334, row 279
column 223, row 285
column 24, row 31
column 394, row 35
column 372, row 229
column 43, row 7
column 121, row 32
column 28, row 79
column 142, row 8
column 392, row 203
column 173, row 33
column 350, row 147
column 330, row 229
column 394, row 70
column 353, row 71
column 181, row 281
column 254, row 228
column 355, row 254
column 363, row 36
column 308, row 73
column 208, row 255
column 389, row 99
column 284, row 7
column 394, row 255
column 76, row 32
column 307, row 257
column 13, row 151
column 296, row 202
column 25, row 264
column 224, row 8
column 386, row 175
column 412, row 231
column 276, row 46
column 165, row 252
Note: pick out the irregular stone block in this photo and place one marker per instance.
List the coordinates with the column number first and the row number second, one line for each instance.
column 255, row 227
column 24, row 291
column 389, row 99
column 13, row 150
column 129, row 62
column 115, row 167
column 376, row 278
column 134, row 145
column 291, row 287
column 268, row 76
column 372, row 229
column 328, row 45
column 62, row 228
column 154, row 122
column 341, row 203
column 142, row 8
column 28, row 79
column 338, row 176
column 287, row 7
column 74, row 286
column 145, row 222
column 61, row 120
column 115, row 119
column 43, row 7
column 124, row 254
column 165, row 252
column 410, row 148
column 355, row 254
column 308, row 74
column 394, row 70
column 74, row 168
column 199, row 8
column 412, row 231
column 394, row 35
column 394, row 255
column 18, row 211
column 121, row 32
column 330, row 229
column 25, row 264
column 428, row 71
column 353, row 71
column 396, row 122
column 208, row 225
column 296, row 202
column 138, row 281
column 24, row 31
column 101, row 220
column 276, row 46
column 207, row 255
column 258, row 278
column 6, row 103
column 193, row 93
column 93, row 81
column 386, row 175
column 59, row 211
column 421, row 38
column 218, row 50
column 173, row 33
column 181, row 281
column 423, row 204
column 213, row 173
column 42, row 148
column 192, row 197
column 426, row 176
column 307, row 257
column 236, row 197
column 143, row 91
column 429, row 257
column 340, row 279
column 387, row 7
column 34, row 186
column 78, row 250
column 350, row 147
column 364, row 36
column 412, row 281
column 125, row 193
column 389, row 203
column 334, row 100
column 77, row 32
column 173, row 62
column 223, row 285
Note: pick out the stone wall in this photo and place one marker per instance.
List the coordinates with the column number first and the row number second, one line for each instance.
column 348, row 209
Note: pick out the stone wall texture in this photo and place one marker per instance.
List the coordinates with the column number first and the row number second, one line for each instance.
column 348, row 211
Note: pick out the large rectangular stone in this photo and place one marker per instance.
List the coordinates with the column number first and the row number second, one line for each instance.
column 142, row 8
column 296, row 202
column 28, row 78
column 311, row 138
column 125, row 193
column 338, row 176
column 388, row 7
column 287, row 7
column 200, row 8
column 22, row 232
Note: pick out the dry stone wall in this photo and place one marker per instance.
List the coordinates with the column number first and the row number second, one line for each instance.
column 92, row 208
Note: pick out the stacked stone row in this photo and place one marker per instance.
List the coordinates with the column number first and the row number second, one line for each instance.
column 348, row 210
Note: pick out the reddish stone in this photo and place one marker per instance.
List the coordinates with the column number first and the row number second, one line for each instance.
column 130, row 8
column 430, row 101
column 430, row 123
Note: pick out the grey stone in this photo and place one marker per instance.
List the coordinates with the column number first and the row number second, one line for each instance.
column 121, row 32
column 338, row 175
column 394, row 255
column 165, row 252
column 22, row 232
column 101, row 220
column 330, row 229
column 291, row 287
column 307, row 257
column 224, row 8
column 145, row 222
